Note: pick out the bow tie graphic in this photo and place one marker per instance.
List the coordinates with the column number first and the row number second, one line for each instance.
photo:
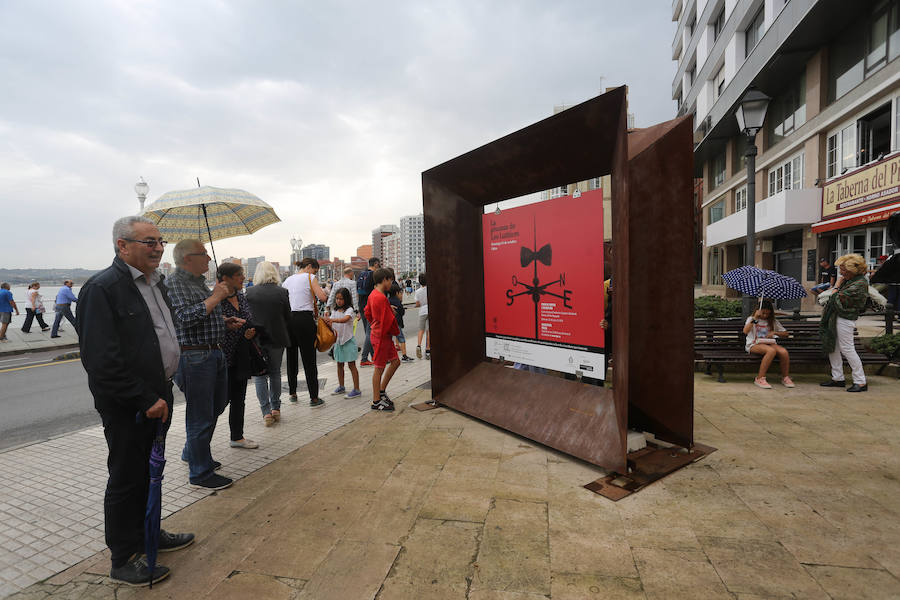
column 544, row 255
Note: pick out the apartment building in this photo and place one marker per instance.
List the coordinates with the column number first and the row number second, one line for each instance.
column 827, row 171
column 378, row 234
column 391, row 252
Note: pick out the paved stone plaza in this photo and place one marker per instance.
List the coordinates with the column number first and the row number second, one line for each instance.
column 800, row 501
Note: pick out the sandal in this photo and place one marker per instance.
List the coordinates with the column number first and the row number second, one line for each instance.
column 269, row 420
column 276, row 414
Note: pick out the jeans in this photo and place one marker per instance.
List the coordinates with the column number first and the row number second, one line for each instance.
column 237, row 394
column 268, row 387
column 202, row 376
column 63, row 310
column 367, row 350
column 30, row 316
column 303, row 335
column 844, row 345
column 129, row 440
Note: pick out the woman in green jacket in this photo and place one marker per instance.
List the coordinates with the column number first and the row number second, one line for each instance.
column 838, row 317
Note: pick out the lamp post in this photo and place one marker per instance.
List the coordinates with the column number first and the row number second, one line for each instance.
column 751, row 114
column 141, row 188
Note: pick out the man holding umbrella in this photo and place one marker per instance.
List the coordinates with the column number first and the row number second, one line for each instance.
column 130, row 353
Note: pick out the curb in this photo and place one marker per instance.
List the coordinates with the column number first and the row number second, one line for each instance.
column 68, row 356
column 39, row 349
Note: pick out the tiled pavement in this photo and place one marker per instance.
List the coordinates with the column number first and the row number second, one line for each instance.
column 51, row 502
column 800, row 501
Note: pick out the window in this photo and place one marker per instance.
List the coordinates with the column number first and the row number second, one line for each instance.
column 740, row 199
column 717, row 212
column 848, row 147
column 740, row 154
column 718, row 24
column 690, row 75
column 754, row 32
column 558, row 192
column 788, row 111
column 715, row 265
column 719, row 83
column 863, row 48
column 595, row 184
column 786, row 176
column 876, row 55
column 831, row 158
column 874, row 133
column 718, row 167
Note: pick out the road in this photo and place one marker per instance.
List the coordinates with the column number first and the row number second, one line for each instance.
column 41, row 398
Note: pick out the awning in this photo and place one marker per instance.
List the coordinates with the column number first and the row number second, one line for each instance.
column 861, row 218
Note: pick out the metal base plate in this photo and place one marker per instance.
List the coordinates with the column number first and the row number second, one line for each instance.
column 430, row 405
column 646, row 466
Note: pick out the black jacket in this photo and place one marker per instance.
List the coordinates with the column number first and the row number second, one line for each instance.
column 119, row 347
column 271, row 308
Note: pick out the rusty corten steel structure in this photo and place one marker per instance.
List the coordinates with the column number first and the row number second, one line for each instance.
column 652, row 212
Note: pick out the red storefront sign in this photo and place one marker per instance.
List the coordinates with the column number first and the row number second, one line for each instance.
column 857, row 219
column 543, row 283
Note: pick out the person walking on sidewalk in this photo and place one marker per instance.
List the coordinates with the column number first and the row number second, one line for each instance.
column 7, row 305
column 301, row 288
column 130, row 352
column 345, row 345
column 364, row 286
column 63, row 308
column 841, row 310
column 201, row 374
column 34, row 308
column 422, row 304
column 237, row 351
column 384, row 327
column 271, row 310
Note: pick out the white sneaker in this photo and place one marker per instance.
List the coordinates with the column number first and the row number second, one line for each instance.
column 244, row 443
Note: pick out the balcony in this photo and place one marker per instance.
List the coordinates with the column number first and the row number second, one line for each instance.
column 784, row 211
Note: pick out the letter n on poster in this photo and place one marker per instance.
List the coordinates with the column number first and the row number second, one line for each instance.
column 543, row 284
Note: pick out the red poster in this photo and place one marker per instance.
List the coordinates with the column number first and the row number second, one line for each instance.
column 543, row 281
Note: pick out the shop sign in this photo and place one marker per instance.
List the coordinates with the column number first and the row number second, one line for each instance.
column 864, row 188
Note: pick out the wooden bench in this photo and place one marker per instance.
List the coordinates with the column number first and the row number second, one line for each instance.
column 721, row 341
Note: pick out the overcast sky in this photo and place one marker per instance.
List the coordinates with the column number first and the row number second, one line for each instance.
column 328, row 111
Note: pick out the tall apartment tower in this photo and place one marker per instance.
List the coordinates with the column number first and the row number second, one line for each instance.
column 378, row 234
column 412, row 244
column 391, row 255
column 316, row 251
column 834, row 121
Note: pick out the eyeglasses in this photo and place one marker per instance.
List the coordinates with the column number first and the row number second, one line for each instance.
column 197, row 254
column 148, row 243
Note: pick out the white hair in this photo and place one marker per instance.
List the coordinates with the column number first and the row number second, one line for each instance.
column 182, row 249
column 265, row 273
column 124, row 228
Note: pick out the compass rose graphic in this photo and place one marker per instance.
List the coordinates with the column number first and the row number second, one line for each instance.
column 536, row 290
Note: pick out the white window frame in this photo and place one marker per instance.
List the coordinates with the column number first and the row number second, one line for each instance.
column 718, row 25
column 717, row 204
column 757, row 25
column 718, row 83
column 831, row 155
column 559, row 192
column 787, row 175
column 740, row 199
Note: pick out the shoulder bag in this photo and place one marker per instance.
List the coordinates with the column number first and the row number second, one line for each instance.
column 325, row 335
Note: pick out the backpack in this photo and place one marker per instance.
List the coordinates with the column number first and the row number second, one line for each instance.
column 361, row 280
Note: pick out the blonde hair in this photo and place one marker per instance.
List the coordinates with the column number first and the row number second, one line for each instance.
column 265, row 273
column 854, row 263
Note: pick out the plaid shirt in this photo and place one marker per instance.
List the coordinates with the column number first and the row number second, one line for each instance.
column 192, row 325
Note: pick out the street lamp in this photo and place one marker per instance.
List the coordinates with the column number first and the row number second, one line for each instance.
column 750, row 115
column 141, row 188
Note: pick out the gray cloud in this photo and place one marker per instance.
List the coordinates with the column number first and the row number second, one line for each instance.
column 328, row 111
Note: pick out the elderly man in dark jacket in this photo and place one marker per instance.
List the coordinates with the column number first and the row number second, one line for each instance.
column 130, row 352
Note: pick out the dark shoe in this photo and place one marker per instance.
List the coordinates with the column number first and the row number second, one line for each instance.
column 405, row 358
column 316, row 403
column 136, row 572
column 55, row 336
column 858, row 388
column 383, row 405
column 214, row 482
column 833, row 383
column 170, row 542
column 45, row 329
column 216, row 464
column 292, row 397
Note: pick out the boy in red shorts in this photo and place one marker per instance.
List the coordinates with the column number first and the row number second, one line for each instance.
column 383, row 327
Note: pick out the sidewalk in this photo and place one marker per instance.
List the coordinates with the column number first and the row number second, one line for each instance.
column 37, row 340
column 51, row 503
column 801, row 500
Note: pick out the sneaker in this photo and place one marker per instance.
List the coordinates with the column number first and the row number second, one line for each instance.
column 383, row 396
column 292, row 397
column 338, row 391
column 405, row 358
column 214, row 482
column 788, row 382
column 269, row 420
column 316, row 403
column 428, row 355
column 45, row 329
column 761, row 382
column 418, row 351
column 216, row 464
column 244, row 443
column 383, row 405
column 170, row 542
column 55, row 336
column 354, row 394
column 366, row 363
column 4, row 339
column 136, row 572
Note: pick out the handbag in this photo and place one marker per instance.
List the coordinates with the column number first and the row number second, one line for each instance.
column 259, row 360
column 325, row 335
